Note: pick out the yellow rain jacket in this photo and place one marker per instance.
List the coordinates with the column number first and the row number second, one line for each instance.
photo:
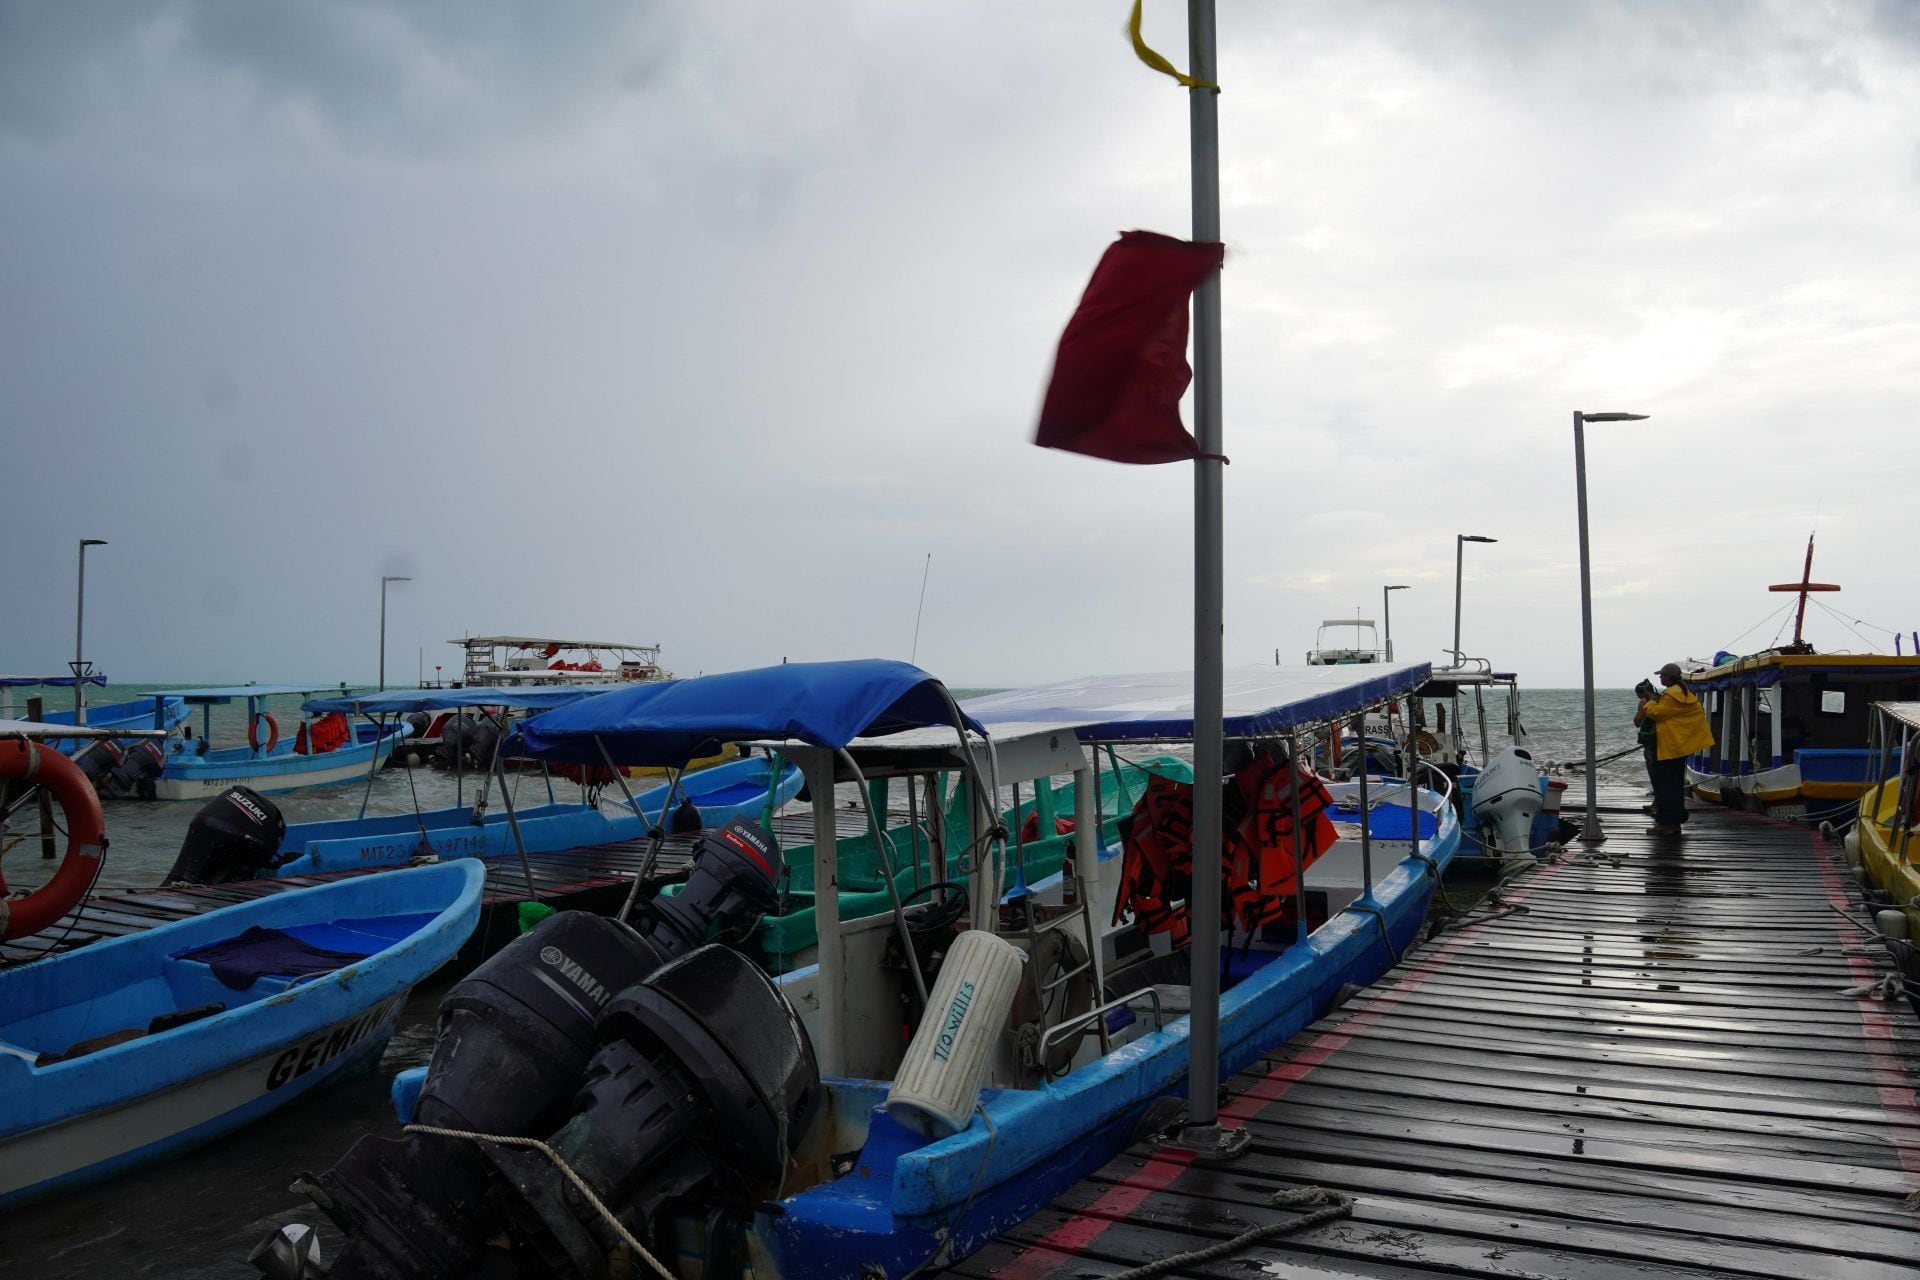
column 1680, row 723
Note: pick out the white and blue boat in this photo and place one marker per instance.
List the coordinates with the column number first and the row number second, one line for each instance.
column 745, row 788
column 948, row 1109
column 130, row 714
column 314, row 752
column 129, row 1051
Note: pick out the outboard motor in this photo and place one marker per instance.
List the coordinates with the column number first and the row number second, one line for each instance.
column 417, row 723
column 1506, row 800
column 513, row 1048
column 704, row 1077
column 140, row 766
column 98, row 762
column 456, row 735
column 235, row 836
column 480, row 743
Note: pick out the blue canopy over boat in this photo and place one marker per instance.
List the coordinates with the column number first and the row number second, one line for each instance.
column 227, row 693
column 542, row 697
column 51, row 682
column 1257, row 701
column 668, row 722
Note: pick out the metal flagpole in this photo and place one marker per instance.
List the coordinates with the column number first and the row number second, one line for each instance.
column 1203, row 1132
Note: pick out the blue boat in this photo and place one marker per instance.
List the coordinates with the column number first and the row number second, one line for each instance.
column 132, row 1050
column 720, row 794
column 1002, row 1095
column 136, row 713
column 315, row 752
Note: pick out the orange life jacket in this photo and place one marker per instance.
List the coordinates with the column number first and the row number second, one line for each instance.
column 1257, row 868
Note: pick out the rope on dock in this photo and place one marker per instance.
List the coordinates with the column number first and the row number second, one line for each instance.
column 579, row 1183
column 1334, row 1204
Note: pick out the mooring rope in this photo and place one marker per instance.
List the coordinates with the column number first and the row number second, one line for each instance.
column 579, row 1183
column 1336, row 1205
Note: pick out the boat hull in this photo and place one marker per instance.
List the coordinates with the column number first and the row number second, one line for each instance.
column 86, row 1148
column 735, row 790
column 914, row 1204
column 190, row 777
column 240, row 1052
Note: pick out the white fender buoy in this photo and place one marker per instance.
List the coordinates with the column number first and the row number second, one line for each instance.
column 1891, row 922
column 939, row 1079
column 1852, row 844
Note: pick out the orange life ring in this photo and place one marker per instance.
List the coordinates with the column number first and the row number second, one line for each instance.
column 273, row 732
column 86, row 837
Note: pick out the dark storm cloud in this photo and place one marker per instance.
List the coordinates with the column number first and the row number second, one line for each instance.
column 372, row 73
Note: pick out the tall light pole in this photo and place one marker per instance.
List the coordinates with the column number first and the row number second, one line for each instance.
column 1590, row 831
column 79, row 633
column 1386, row 613
column 1460, row 541
column 384, row 580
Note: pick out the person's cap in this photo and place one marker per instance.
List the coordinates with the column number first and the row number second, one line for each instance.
column 1672, row 669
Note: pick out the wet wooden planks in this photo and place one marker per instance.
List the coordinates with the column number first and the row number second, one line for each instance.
column 594, row 878
column 1648, row 1065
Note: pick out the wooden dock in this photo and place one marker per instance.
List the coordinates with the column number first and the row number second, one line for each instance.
column 594, row 878
column 1646, row 1064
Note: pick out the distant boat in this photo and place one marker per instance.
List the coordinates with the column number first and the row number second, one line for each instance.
column 320, row 750
column 1790, row 725
column 135, row 1049
column 735, row 790
column 1363, row 645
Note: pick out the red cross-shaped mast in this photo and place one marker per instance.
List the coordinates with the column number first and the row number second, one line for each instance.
column 1804, row 587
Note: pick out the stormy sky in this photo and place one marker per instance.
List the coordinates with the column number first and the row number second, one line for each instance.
column 705, row 324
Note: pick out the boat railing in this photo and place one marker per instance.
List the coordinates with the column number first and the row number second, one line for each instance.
column 1078, row 1024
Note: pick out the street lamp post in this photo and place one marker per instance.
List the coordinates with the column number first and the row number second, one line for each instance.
column 1460, row 541
column 1386, row 613
column 384, row 580
column 1590, row 831
column 79, row 634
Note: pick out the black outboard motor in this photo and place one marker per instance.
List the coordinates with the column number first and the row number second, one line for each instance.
column 235, row 836
column 456, row 734
column 480, row 744
column 514, row 1042
column 139, row 767
column 704, row 1070
column 686, row 818
column 98, row 762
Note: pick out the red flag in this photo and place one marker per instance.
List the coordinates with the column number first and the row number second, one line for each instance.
column 1122, row 364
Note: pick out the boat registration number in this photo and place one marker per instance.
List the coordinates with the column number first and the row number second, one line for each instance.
column 331, row 1043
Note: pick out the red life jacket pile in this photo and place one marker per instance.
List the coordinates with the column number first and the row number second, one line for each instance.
column 330, row 732
column 1257, row 873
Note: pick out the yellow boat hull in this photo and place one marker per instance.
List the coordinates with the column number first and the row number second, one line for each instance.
column 732, row 751
column 1890, row 856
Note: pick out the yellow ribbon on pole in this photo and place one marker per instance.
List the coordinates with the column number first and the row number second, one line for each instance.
column 1157, row 62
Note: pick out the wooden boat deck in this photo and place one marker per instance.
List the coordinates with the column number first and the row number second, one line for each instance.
column 1649, row 1068
column 593, row 878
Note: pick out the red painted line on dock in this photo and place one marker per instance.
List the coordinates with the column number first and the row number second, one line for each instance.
column 1161, row 1170
column 1890, row 1081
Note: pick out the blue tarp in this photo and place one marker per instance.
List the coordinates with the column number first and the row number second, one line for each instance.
column 1256, row 700
column 51, row 682
column 543, row 697
column 669, row 722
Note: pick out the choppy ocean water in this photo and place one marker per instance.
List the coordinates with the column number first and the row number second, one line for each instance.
column 199, row 1215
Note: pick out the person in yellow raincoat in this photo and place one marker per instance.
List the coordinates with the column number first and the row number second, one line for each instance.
column 1681, row 728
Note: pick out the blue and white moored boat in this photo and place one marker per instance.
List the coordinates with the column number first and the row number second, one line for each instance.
column 744, row 788
column 131, row 714
column 317, row 751
column 946, row 1105
column 132, row 1050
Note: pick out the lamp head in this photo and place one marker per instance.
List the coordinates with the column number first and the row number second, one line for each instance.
column 1475, row 537
column 387, row 577
column 93, row 542
column 1615, row 417
column 1398, row 586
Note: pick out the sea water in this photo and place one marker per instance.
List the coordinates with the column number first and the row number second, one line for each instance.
column 197, row 1216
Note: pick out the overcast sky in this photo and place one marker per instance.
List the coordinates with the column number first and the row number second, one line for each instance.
column 705, row 324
